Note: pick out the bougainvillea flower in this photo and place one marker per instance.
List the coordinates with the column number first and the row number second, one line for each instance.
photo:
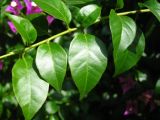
column 126, row 83
column 50, row 19
column 12, row 27
column 31, row 7
column 131, row 108
column 1, row 65
column 15, row 7
column 147, row 98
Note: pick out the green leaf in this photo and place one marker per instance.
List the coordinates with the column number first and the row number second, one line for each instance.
column 88, row 61
column 77, row 2
column 123, row 31
column 51, row 61
column 88, row 15
column 120, row 4
column 154, row 7
column 51, row 107
column 25, row 29
column 128, row 46
column 56, row 8
column 30, row 91
column 129, row 58
column 157, row 87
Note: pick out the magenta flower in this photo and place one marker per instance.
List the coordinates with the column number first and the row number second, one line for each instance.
column 32, row 7
column 12, row 27
column 1, row 65
column 50, row 19
column 15, row 7
column 131, row 108
column 126, row 83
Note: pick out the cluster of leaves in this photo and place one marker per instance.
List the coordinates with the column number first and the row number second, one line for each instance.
column 86, row 54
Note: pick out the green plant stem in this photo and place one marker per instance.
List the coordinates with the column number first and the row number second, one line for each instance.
column 127, row 13
column 41, row 42
column 69, row 31
column 133, row 12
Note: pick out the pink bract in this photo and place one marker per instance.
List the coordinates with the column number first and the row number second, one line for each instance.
column 15, row 7
column 31, row 7
column 12, row 27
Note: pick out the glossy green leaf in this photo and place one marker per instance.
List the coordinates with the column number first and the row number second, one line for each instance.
column 51, row 61
column 77, row 2
column 128, row 46
column 55, row 8
column 88, row 15
column 30, row 91
column 123, row 31
column 25, row 29
column 87, row 61
column 129, row 58
column 120, row 4
column 154, row 7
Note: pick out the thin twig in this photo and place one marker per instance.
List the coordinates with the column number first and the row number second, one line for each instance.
column 39, row 43
column 125, row 13
column 133, row 12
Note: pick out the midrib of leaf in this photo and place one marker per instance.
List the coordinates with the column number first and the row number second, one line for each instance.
column 85, row 85
column 54, row 8
column 30, row 89
column 119, row 38
column 53, row 65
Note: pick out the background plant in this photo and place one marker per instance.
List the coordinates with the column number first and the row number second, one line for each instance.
column 99, row 57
